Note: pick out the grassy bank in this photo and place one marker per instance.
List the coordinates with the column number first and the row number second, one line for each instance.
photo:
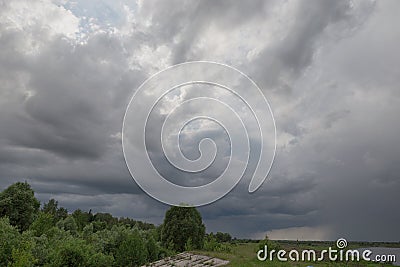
column 244, row 255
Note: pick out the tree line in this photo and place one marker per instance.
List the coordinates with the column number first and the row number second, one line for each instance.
column 31, row 235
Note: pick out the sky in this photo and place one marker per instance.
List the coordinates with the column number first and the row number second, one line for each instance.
column 329, row 69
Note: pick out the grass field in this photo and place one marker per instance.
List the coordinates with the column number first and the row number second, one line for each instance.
column 244, row 254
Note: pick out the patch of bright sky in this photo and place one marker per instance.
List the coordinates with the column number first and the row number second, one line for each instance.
column 98, row 15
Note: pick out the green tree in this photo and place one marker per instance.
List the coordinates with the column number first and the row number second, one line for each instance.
column 139, row 224
column 61, row 213
column 153, row 249
column 87, row 232
column 223, row 237
column 42, row 249
column 43, row 223
column 182, row 225
column 98, row 226
column 82, row 218
column 101, row 260
column 9, row 239
column 71, row 252
column 22, row 254
column 131, row 251
column 68, row 224
column 19, row 204
column 107, row 218
column 51, row 207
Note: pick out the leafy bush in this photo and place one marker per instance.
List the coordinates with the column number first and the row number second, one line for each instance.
column 212, row 244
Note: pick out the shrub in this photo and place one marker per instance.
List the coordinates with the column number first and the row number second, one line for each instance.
column 269, row 243
column 211, row 244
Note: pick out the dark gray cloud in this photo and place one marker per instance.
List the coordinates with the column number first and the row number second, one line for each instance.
column 330, row 70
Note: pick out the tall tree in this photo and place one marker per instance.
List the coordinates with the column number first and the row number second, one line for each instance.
column 19, row 204
column 51, row 207
column 183, row 225
column 82, row 218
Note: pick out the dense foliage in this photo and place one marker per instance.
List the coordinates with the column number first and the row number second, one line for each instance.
column 51, row 236
column 183, row 229
column 19, row 204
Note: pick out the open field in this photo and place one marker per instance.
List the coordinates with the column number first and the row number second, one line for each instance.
column 244, row 255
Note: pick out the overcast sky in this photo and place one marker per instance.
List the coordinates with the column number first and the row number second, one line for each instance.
column 329, row 69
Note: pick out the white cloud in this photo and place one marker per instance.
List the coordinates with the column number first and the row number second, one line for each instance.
column 37, row 16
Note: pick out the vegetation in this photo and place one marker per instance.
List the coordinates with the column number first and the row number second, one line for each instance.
column 183, row 229
column 243, row 255
column 19, row 204
column 52, row 237
column 30, row 236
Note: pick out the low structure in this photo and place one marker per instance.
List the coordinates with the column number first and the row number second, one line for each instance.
column 186, row 259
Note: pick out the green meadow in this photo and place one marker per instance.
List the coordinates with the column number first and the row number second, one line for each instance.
column 244, row 255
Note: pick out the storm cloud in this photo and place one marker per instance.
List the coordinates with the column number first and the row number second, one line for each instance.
column 330, row 70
